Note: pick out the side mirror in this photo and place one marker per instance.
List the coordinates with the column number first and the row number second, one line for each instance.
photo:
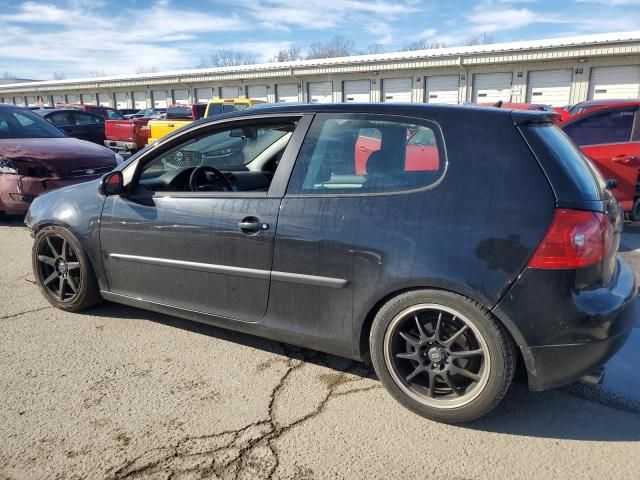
column 111, row 184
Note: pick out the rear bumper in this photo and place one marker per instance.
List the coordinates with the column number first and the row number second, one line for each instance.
column 565, row 333
column 17, row 192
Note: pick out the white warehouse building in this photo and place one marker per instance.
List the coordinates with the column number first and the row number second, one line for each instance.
column 557, row 71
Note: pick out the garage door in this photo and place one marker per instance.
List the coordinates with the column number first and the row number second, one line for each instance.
column 181, row 97
column 356, row 90
column 58, row 99
column 44, row 100
column 320, row 92
column 614, row 82
column 89, row 98
column 159, row 98
column 551, row 87
column 491, row 87
column 287, row 93
column 441, row 89
column 257, row 92
column 121, row 100
column 103, row 99
column 72, row 98
column 396, row 90
column 139, row 100
column 229, row 92
column 31, row 101
column 203, row 95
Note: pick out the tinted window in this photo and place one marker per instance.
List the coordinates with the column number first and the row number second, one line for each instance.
column 59, row 118
column 602, row 128
column 18, row 123
column 368, row 154
column 85, row 118
column 114, row 115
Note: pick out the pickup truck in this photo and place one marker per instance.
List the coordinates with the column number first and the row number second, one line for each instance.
column 126, row 136
column 177, row 116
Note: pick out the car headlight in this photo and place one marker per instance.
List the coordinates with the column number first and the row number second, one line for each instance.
column 7, row 166
column 119, row 158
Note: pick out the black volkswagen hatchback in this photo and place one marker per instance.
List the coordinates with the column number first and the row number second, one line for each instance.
column 445, row 244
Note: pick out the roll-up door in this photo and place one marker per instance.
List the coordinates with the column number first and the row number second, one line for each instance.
column 356, row 90
column 159, row 98
column 103, row 99
column 89, row 98
column 229, row 92
column 58, row 99
column 31, row 101
column 287, row 93
column 140, row 100
column 181, row 97
column 441, row 89
column 396, row 90
column 72, row 98
column 551, row 87
column 203, row 95
column 491, row 87
column 257, row 92
column 614, row 82
column 320, row 92
column 121, row 100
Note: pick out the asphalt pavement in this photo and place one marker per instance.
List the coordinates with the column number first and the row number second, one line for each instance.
column 119, row 393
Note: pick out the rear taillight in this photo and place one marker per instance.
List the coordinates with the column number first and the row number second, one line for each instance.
column 575, row 239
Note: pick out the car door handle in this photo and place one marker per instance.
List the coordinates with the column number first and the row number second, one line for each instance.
column 624, row 159
column 252, row 225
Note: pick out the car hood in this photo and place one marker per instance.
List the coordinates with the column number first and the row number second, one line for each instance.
column 57, row 154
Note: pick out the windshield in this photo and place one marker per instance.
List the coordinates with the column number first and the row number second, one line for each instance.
column 22, row 123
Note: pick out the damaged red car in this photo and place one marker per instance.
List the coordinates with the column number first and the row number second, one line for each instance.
column 36, row 157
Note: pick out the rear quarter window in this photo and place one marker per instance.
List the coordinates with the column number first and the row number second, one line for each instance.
column 363, row 153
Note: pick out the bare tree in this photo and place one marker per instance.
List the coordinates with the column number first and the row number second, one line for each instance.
column 143, row 69
column 483, row 39
column 97, row 73
column 6, row 75
column 423, row 44
column 229, row 58
column 375, row 48
column 58, row 76
column 288, row 54
column 336, row 46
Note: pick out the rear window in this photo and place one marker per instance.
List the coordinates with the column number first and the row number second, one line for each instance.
column 572, row 174
column 220, row 108
column 175, row 113
column 368, row 154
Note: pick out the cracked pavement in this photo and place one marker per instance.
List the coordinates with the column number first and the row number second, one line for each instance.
column 120, row 393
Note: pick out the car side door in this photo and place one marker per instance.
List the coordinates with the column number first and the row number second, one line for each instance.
column 611, row 138
column 208, row 249
column 88, row 126
column 63, row 121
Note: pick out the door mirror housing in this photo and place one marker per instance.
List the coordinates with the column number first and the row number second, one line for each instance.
column 111, row 184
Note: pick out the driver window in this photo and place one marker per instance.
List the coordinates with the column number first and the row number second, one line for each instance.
column 240, row 159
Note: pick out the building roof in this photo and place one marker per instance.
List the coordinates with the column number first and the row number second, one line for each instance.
column 495, row 48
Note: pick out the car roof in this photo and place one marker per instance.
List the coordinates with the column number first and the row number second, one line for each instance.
column 45, row 111
column 419, row 110
column 611, row 102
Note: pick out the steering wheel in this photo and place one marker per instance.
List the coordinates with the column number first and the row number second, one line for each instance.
column 209, row 179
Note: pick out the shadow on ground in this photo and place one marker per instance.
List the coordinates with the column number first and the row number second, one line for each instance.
column 552, row 414
column 11, row 220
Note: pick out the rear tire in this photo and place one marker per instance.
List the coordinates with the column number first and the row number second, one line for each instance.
column 634, row 214
column 442, row 355
column 63, row 271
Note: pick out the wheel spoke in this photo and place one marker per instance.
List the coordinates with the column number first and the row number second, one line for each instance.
column 73, row 265
column 52, row 248
column 408, row 355
column 72, row 284
column 48, row 260
column 415, row 372
column 455, row 336
column 423, row 335
column 63, row 253
column 464, row 373
column 50, row 279
column 447, row 379
column 61, row 288
column 432, row 384
column 409, row 339
column 466, row 353
column 436, row 332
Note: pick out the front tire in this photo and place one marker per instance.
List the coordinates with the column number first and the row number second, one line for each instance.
column 441, row 355
column 63, row 271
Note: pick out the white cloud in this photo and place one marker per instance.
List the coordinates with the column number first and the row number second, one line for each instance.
column 487, row 18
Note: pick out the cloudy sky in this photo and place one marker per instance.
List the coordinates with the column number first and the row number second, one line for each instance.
column 85, row 37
